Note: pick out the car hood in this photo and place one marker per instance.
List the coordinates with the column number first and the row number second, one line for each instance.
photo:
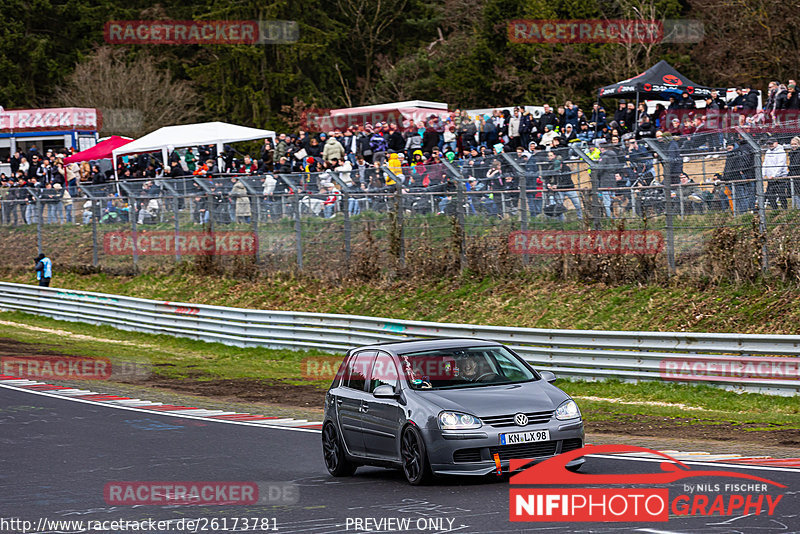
column 498, row 400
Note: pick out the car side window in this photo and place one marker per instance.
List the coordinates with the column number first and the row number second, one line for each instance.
column 384, row 372
column 357, row 370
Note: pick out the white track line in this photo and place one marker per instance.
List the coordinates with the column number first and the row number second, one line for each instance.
column 182, row 413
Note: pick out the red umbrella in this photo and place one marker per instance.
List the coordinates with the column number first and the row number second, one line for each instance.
column 101, row 150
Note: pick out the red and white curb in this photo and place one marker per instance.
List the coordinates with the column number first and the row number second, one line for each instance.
column 115, row 401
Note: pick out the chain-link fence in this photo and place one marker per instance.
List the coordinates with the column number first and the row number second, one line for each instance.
column 718, row 205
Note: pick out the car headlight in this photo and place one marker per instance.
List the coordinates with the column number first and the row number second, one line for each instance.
column 458, row 421
column 568, row 410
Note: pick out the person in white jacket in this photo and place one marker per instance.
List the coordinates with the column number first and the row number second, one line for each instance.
column 549, row 135
column 775, row 172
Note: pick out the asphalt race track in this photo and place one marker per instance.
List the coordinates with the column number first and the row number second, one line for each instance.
column 57, row 456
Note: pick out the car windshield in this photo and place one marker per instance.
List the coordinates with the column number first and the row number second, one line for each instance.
column 463, row 367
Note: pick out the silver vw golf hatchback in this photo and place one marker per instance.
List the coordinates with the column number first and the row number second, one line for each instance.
column 444, row 407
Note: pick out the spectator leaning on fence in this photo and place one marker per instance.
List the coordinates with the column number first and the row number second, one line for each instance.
column 775, row 172
column 241, row 201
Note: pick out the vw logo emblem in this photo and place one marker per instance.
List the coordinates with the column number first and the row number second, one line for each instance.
column 521, row 419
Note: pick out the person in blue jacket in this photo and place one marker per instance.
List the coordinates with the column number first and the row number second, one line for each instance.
column 44, row 270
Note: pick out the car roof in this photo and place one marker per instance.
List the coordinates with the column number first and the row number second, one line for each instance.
column 421, row 344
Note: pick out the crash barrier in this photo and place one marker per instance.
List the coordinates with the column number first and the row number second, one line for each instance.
column 740, row 362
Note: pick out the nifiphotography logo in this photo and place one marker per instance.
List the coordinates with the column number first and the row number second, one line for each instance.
column 648, row 503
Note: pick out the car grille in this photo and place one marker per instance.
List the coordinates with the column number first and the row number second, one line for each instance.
column 525, row 450
column 502, row 421
column 467, row 455
column 571, row 444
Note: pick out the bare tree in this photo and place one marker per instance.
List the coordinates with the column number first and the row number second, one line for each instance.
column 370, row 20
column 748, row 40
column 134, row 96
column 637, row 53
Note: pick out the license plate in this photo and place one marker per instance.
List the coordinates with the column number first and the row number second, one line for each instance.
column 525, row 437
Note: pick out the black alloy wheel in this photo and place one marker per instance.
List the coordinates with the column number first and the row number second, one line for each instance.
column 414, row 457
column 332, row 449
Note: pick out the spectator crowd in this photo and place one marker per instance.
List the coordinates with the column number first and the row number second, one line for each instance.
column 424, row 156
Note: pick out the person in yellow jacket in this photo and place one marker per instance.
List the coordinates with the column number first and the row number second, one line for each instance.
column 395, row 166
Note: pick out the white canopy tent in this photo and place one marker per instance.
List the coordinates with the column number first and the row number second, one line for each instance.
column 189, row 135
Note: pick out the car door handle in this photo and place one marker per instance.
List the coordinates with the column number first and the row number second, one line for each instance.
column 339, row 401
column 365, row 407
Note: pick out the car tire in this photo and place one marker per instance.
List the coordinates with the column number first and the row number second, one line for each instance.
column 414, row 457
column 333, row 453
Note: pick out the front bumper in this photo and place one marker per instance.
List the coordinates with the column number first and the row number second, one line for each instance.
column 472, row 452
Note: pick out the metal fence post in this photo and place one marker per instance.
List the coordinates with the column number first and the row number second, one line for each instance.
column 460, row 209
column 298, row 230
column 39, row 213
column 346, row 213
column 667, row 186
column 760, row 203
column 523, row 196
column 298, row 227
column 177, row 228
column 254, row 224
column 398, row 230
column 523, row 189
column 95, row 215
column 668, row 222
column 211, row 211
column 133, row 211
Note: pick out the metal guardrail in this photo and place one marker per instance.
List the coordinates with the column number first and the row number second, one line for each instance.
column 742, row 362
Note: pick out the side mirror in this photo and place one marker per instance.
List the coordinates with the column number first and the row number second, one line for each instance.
column 548, row 376
column 384, row 391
